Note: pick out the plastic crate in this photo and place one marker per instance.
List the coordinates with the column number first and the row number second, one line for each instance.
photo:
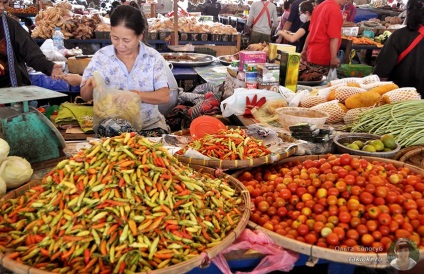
column 350, row 31
column 205, row 51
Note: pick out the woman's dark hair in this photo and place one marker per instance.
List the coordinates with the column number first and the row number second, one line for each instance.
column 131, row 18
column 401, row 245
column 286, row 4
column 414, row 14
column 115, row 4
column 319, row 2
column 134, row 5
column 307, row 6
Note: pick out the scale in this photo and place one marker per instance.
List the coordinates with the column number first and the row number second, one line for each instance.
column 27, row 131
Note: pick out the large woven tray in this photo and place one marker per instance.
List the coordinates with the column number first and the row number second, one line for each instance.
column 182, row 267
column 374, row 260
column 236, row 164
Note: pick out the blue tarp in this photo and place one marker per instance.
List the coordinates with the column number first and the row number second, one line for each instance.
column 42, row 80
column 364, row 15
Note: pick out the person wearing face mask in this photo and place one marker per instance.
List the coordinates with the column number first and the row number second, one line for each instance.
column 324, row 39
column 128, row 64
column 305, row 10
column 18, row 49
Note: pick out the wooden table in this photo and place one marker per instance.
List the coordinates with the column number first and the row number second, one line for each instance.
column 348, row 46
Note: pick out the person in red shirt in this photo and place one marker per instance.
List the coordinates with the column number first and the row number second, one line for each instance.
column 324, row 37
column 349, row 11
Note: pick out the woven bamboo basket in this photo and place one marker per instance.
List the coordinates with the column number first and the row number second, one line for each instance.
column 236, row 164
column 198, row 261
column 412, row 155
column 374, row 260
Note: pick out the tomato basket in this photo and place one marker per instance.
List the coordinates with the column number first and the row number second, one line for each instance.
column 340, row 255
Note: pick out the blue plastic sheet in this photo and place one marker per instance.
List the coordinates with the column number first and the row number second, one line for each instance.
column 364, row 15
column 42, row 80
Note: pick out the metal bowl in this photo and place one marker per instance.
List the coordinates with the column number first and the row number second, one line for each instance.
column 350, row 137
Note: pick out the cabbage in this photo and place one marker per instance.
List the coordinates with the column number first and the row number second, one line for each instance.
column 4, row 149
column 15, row 171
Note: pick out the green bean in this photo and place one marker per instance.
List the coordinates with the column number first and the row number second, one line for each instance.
column 404, row 120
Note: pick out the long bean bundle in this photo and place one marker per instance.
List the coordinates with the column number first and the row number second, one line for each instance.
column 404, row 120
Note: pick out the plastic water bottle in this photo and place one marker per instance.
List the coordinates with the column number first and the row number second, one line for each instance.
column 23, row 25
column 58, row 39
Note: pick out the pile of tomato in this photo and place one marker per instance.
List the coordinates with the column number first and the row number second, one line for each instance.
column 343, row 203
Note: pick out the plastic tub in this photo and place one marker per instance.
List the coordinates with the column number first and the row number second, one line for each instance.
column 288, row 116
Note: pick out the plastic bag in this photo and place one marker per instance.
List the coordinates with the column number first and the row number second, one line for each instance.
column 332, row 74
column 49, row 51
column 267, row 113
column 113, row 103
column 277, row 258
column 236, row 103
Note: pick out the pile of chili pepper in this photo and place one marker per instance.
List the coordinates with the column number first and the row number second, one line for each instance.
column 123, row 205
column 228, row 144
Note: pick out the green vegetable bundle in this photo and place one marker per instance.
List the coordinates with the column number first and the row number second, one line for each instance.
column 404, row 120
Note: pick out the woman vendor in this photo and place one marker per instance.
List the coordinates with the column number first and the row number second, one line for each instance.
column 128, row 64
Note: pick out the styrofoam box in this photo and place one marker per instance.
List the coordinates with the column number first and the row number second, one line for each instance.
column 350, row 31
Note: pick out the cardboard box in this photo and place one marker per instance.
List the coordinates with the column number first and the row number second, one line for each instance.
column 77, row 65
column 268, row 72
column 289, row 69
column 251, row 57
column 273, row 48
column 273, row 86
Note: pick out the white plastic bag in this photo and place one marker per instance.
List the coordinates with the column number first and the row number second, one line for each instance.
column 49, row 51
column 113, row 103
column 236, row 103
column 332, row 74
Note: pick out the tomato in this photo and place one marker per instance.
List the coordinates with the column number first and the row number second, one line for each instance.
column 332, row 239
column 352, row 234
column 381, row 191
column 384, row 218
column 342, row 172
column 373, row 212
column 345, row 159
column 394, row 226
column 367, row 239
column 302, row 229
column 412, row 179
column 366, row 197
column 356, row 190
column 395, row 209
column 362, row 229
column 285, row 194
column 409, row 204
column 294, row 199
column 378, row 201
column 352, row 204
column 282, row 211
column 333, row 191
column 349, row 179
column 271, row 211
column 268, row 226
column 345, row 217
column 318, row 208
column 318, row 226
column 263, row 206
column 310, row 238
column 412, row 214
column 355, row 221
column 371, row 225
column 370, row 188
column 384, row 229
column 340, row 232
column 402, row 233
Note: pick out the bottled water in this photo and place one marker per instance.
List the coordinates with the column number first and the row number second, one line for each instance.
column 58, row 39
column 23, row 25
